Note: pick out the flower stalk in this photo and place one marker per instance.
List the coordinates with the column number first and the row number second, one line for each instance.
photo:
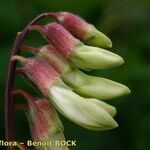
column 81, row 29
column 10, row 80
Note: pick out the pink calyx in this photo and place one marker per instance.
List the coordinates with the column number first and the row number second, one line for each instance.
column 58, row 37
column 39, row 71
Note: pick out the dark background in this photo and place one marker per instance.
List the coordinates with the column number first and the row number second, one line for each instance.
column 127, row 23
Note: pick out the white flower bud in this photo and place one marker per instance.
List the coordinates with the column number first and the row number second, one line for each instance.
column 89, row 57
column 80, row 110
column 92, row 86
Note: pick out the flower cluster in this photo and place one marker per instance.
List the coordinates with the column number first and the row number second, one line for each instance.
column 73, row 44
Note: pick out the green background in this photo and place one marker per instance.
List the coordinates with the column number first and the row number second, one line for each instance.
column 127, row 23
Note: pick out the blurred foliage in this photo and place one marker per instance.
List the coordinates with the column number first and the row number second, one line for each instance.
column 127, row 23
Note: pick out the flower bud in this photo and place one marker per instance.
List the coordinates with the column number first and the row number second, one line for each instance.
column 85, row 57
column 71, row 105
column 58, row 37
column 82, row 111
column 89, row 57
column 44, row 122
column 97, row 87
column 82, row 30
column 46, row 125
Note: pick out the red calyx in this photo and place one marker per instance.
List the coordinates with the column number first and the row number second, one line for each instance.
column 73, row 23
column 41, row 73
column 58, row 37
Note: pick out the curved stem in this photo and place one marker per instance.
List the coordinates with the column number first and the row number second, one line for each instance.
column 10, row 80
column 29, row 48
column 26, row 95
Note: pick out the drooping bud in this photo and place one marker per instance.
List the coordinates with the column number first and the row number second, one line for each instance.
column 44, row 122
column 89, row 57
column 46, row 125
column 82, row 30
column 71, row 105
column 85, row 112
column 85, row 57
column 96, row 87
column 58, row 37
